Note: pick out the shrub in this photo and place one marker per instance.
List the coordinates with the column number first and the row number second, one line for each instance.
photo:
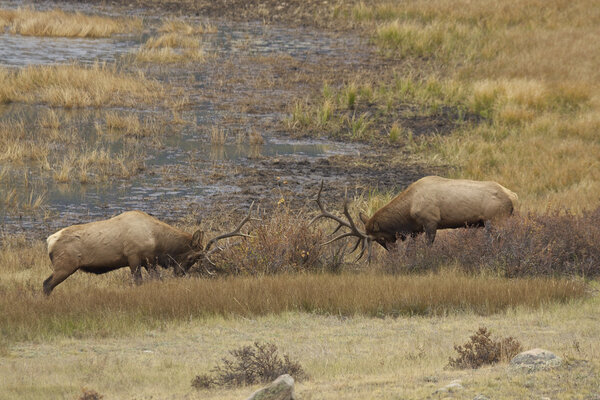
column 260, row 363
column 282, row 243
column 531, row 245
column 482, row 350
column 89, row 394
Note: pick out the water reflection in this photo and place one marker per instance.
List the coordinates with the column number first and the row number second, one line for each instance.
column 18, row 51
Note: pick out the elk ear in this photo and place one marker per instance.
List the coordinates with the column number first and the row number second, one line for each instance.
column 375, row 227
column 363, row 217
column 197, row 239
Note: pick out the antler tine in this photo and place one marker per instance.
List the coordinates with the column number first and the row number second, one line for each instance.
column 235, row 232
column 343, row 235
column 351, row 221
column 327, row 214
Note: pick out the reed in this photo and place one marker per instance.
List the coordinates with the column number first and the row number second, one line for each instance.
column 217, row 136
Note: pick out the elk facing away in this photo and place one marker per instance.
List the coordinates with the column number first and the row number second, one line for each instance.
column 133, row 239
column 429, row 204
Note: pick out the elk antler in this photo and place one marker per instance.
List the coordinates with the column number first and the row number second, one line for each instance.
column 235, row 232
column 363, row 238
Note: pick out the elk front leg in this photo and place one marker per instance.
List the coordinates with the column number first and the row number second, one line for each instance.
column 135, row 267
column 430, row 230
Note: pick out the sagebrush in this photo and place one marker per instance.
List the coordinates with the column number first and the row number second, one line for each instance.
column 89, row 394
column 482, row 350
column 259, row 363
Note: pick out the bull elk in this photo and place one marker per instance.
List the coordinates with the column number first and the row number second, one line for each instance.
column 133, row 239
column 429, row 204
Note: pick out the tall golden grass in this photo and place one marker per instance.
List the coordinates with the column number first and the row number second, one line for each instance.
column 75, row 85
column 30, row 22
column 91, row 310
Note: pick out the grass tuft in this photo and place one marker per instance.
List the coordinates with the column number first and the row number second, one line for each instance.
column 57, row 23
column 74, row 85
column 182, row 27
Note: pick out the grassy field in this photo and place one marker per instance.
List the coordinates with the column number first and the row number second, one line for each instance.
column 357, row 357
column 496, row 91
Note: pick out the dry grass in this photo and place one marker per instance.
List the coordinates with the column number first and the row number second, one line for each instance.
column 55, row 153
column 29, row 22
column 97, row 165
column 128, row 124
column 108, row 309
column 172, row 40
column 217, row 136
column 18, row 146
column 345, row 357
column 169, row 55
column 179, row 43
column 181, row 27
column 49, row 120
column 75, row 85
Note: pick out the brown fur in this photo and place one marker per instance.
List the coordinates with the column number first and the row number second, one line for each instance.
column 133, row 239
column 433, row 203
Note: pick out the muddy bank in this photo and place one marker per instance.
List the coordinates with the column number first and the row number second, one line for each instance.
column 292, row 12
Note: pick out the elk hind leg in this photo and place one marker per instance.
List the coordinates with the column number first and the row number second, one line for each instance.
column 53, row 280
column 63, row 266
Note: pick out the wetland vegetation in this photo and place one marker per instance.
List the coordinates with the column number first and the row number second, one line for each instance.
column 192, row 109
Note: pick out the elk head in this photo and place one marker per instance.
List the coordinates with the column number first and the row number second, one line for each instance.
column 364, row 240
column 199, row 252
column 379, row 235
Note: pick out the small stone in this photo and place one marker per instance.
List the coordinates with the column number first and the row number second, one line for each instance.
column 452, row 387
column 480, row 397
column 281, row 388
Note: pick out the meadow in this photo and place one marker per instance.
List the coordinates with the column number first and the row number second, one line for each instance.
column 480, row 90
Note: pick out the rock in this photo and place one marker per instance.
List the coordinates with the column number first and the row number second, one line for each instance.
column 452, row 387
column 281, row 388
column 481, row 397
column 535, row 359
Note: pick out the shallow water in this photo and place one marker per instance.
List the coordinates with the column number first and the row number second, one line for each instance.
column 170, row 185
